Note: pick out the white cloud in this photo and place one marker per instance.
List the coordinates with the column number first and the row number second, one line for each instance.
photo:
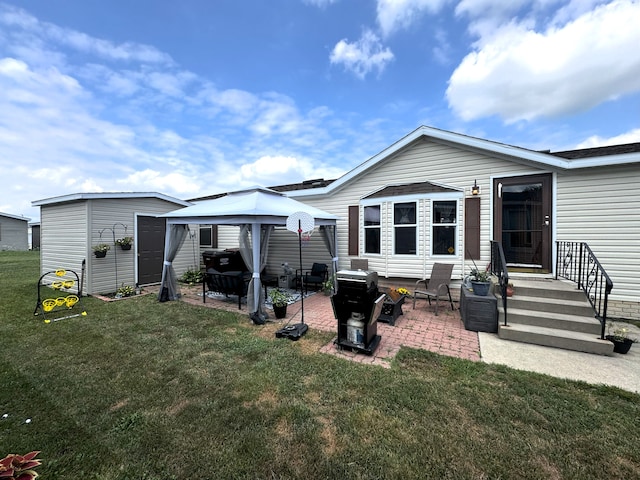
column 394, row 15
column 632, row 136
column 521, row 74
column 363, row 56
column 283, row 169
column 160, row 181
column 134, row 52
column 319, row 3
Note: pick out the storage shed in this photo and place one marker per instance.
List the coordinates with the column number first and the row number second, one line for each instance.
column 71, row 225
column 13, row 232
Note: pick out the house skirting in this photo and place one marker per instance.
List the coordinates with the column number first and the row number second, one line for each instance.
column 622, row 309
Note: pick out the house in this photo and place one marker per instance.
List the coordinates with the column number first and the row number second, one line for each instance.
column 71, row 225
column 438, row 196
column 13, row 232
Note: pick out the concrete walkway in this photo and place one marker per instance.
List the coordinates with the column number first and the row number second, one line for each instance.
column 445, row 334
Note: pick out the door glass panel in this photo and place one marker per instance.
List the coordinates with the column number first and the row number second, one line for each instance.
column 522, row 224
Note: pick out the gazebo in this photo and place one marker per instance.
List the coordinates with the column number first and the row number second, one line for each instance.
column 256, row 211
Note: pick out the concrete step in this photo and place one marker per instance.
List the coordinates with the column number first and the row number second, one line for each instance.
column 548, row 289
column 553, row 337
column 562, row 321
column 551, row 305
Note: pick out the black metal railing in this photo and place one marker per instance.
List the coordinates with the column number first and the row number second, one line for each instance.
column 576, row 262
column 499, row 269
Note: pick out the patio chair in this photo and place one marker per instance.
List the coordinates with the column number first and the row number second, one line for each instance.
column 316, row 276
column 435, row 286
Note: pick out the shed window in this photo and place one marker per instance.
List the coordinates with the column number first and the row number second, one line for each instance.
column 444, row 227
column 209, row 236
column 372, row 229
column 405, row 228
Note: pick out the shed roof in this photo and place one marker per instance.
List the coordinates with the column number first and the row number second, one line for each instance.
column 74, row 197
column 14, row 217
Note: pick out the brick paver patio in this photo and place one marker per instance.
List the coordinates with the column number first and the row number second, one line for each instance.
column 420, row 328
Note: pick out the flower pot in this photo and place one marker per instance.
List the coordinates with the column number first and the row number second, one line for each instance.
column 280, row 311
column 100, row 254
column 126, row 247
column 481, row 288
column 620, row 346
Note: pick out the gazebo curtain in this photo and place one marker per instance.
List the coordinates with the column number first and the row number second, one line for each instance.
column 246, row 251
column 169, row 286
column 329, row 238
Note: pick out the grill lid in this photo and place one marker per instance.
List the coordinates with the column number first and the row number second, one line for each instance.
column 367, row 277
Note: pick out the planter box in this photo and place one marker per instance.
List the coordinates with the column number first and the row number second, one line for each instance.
column 479, row 313
column 391, row 310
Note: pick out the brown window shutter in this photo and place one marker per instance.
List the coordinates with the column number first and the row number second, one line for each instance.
column 354, row 228
column 472, row 228
column 214, row 236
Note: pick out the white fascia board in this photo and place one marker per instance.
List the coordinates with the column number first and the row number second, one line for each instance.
column 511, row 152
column 605, row 161
column 107, row 195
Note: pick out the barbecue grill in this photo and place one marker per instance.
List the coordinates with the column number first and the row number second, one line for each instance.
column 357, row 304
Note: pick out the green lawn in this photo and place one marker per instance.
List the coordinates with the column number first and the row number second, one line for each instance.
column 143, row 390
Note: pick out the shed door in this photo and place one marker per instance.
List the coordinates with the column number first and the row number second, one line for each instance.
column 151, row 232
column 522, row 220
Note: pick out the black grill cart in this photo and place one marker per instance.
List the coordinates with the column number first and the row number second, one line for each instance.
column 356, row 305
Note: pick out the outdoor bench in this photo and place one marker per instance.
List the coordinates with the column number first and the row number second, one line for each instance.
column 226, row 283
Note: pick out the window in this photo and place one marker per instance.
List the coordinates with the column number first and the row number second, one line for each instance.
column 404, row 225
column 444, row 227
column 206, row 236
column 372, row 229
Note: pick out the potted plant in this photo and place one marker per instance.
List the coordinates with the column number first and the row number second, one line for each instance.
column 480, row 281
column 279, row 300
column 125, row 243
column 100, row 250
column 619, row 336
column 327, row 285
column 510, row 290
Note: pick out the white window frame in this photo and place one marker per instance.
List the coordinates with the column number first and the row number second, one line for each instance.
column 366, row 227
column 394, row 226
column 434, row 225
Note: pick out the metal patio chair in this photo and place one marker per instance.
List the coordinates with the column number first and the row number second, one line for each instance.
column 436, row 286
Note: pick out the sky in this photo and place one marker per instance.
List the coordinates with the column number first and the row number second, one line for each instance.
column 195, row 97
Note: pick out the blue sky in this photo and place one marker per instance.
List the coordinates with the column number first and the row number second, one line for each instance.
column 197, row 97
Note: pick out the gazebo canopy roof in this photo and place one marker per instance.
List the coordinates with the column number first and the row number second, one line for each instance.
column 253, row 205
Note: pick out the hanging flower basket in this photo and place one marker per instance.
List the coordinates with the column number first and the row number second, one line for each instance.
column 125, row 243
column 100, row 250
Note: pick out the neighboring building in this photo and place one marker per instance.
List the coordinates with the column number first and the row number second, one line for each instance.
column 14, row 232
column 34, row 235
column 437, row 196
column 71, row 225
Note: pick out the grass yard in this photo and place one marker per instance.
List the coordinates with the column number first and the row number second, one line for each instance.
column 143, row 390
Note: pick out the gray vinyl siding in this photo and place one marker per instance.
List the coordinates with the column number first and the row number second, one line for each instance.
column 69, row 231
column 109, row 217
column 284, row 247
column 14, row 233
column 424, row 160
column 600, row 206
column 64, row 238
